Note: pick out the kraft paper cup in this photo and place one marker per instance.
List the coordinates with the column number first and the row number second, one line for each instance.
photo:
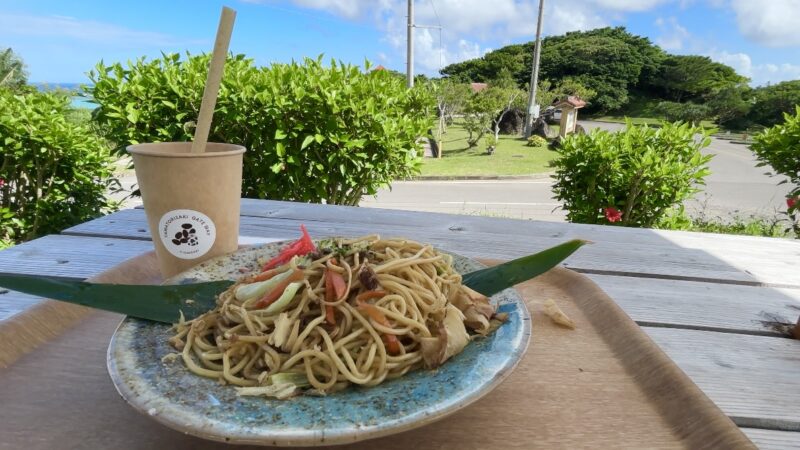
column 191, row 200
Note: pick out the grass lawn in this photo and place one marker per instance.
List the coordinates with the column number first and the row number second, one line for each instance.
column 511, row 157
column 641, row 110
column 645, row 120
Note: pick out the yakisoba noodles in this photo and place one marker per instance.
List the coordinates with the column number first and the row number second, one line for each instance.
column 349, row 312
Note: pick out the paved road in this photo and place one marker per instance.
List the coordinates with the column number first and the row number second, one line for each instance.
column 735, row 188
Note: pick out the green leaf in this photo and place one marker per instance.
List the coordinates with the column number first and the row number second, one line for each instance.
column 161, row 303
column 492, row 280
column 280, row 149
column 280, row 134
column 306, row 142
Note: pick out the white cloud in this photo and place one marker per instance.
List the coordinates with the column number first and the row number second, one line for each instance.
column 773, row 23
column 85, row 30
column 470, row 24
column 759, row 74
column 629, row 5
column 673, row 35
column 498, row 21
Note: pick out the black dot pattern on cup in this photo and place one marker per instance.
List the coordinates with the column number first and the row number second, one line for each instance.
column 187, row 235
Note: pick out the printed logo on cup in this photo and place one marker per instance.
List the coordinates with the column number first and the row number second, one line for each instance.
column 187, row 234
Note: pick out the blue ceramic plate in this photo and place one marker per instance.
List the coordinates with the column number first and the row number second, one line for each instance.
column 172, row 395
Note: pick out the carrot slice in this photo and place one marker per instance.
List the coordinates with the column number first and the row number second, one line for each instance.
column 369, row 295
column 335, row 288
column 277, row 291
column 264, row 276
column 391, row 341
column 330, row 294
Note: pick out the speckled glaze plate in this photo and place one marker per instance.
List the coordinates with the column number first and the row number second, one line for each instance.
column 172, row 395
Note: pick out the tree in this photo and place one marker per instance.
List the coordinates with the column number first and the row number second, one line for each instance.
column 688, row 112
column 486, row 110
column 728, row 104
column 606, row 60
column 548, row 92
column 12, row 69
column 691, row 77
column 770, row 103
column 504, row 79
column 451, row 98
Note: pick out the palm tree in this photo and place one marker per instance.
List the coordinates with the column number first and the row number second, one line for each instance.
column 12, row 69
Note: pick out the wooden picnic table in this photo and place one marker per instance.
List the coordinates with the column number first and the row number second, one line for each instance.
column 710, row 301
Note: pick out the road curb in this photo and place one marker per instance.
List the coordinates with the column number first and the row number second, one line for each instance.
column 536, row 176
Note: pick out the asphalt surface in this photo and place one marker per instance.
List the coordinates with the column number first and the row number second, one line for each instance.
column 736, row 187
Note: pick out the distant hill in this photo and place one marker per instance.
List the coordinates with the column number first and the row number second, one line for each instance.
column 54, row 86
column 610, row 61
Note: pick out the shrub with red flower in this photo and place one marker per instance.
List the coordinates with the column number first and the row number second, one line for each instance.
column 612, row 214
column 791, row 202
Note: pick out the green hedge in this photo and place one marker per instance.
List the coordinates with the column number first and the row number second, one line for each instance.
column 631, row 177
column 779, row 147
column 314, row 133
column 53, row 173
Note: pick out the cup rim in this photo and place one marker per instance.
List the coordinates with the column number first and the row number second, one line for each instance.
column 147, row 149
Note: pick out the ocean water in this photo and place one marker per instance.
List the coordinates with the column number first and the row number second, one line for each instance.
column 82, row 103
column 77, row 101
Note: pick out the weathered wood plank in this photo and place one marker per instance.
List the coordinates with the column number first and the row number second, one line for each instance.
column 773, row 439
column 12, row 302
column 647, row 300
column 69, row 256
column 661, row 258
column 754, row 379
column 689, row 304
column 766, row 259
column 334, row 213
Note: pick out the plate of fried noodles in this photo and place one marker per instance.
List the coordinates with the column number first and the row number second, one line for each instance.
column 322, row 342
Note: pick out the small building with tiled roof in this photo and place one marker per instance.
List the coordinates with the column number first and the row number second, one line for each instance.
column 569, row 113
column 477, row 87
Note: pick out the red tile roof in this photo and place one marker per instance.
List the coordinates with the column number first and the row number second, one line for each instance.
column 572, row 101
column 477, row 87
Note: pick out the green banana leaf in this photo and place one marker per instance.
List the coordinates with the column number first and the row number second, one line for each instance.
column 164, row 303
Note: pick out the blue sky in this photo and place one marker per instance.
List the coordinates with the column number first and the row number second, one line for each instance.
column 60, row 41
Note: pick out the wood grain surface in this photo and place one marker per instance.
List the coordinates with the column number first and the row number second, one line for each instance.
column 603, row 385
column 713, row 302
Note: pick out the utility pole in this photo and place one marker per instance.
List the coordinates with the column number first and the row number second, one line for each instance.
column 410, row 48
column 533, row 110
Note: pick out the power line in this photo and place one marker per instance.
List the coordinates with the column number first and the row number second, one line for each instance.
column 441, row 47
column 435, row 13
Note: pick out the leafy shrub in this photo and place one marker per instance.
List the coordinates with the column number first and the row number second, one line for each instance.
column 313, row 133
column 536, row 141
column 779, row 147
column 632, row 176
column 490, row 141
column 752, row 225
column 684, row 112
column 53, row 173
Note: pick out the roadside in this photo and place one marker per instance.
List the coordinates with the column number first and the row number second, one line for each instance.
column 735, row 188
